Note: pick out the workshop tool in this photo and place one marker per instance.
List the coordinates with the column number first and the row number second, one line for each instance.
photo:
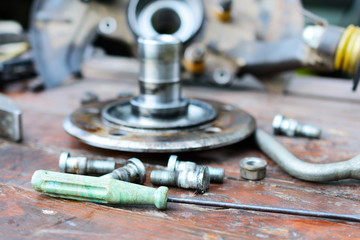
column 198, row 178
column 10, row 119
column 133, row 171
column 159, row 119
column 100, row 190
column 81, row 165
column 216, row 174
column 303, row 170
column 253, row 168
column 291, row 128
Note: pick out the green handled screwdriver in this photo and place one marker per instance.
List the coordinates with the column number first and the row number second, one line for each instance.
column 95, row 189
column 103, row 190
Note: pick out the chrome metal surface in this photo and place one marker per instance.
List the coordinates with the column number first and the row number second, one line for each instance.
column 291, row 128
column 159, row 79
column 183, row 18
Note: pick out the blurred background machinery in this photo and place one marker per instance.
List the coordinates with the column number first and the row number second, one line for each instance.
column 224, row 39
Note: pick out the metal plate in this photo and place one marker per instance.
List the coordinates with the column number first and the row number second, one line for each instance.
column 120, row 113
column 231, row 125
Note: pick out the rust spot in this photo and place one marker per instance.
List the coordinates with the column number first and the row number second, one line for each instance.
column 87, row 126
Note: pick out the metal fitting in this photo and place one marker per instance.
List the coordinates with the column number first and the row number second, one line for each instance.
column 223, row 10
column 159, row 79
column 222, row 77
column 88, row 98
column 194, row 57
column 198, row 179
column 290, row 127
column 81, row 165
column 216, row 174
column 253, row 168
column 134, row 171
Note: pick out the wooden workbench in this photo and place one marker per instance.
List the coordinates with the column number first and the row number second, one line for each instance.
column 25, row 213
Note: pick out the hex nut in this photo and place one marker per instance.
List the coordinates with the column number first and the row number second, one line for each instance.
column 253, row 168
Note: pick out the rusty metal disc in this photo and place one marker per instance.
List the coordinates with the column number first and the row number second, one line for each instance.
column 230, row 126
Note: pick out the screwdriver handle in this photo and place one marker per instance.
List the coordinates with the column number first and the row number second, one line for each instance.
column 95, row 189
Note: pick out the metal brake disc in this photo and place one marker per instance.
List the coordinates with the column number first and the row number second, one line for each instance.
column 230, row 126
column 159, row 119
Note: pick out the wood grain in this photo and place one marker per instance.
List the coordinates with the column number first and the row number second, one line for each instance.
column 26, row 214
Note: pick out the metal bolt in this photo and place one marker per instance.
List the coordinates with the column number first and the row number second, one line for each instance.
column 195, row 53
column 253, row 168
column 223, row 10
column 194, row 57
column 108, row 25
column 89, row 97
column 216, row 174
column 225, row 5
column 290, row 127
column 198, row 179
column 81, row 165
column 222, row 77
column 134, row 171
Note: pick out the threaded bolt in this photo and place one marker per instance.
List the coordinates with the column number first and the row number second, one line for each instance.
column 216, row 174
column 291, row 128
column 134, row 171
column 198, row 179
column 81, row 165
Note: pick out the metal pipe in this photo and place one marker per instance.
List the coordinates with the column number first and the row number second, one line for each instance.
column 304, row 170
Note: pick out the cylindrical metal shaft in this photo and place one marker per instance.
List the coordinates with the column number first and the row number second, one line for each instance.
column 81, row 165
column 289, row 211
column 95, row 189
column 159, row 79
column 216, row 174
column 187, row 179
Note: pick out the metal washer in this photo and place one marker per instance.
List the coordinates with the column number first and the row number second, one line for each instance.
column 230, row 126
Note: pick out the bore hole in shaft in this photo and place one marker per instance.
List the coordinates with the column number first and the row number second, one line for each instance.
column 165, row 21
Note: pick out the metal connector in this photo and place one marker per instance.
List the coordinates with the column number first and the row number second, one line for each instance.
column 198, row 179
column 81, row 165
column 134, row 171
column 291, row 128
column 253, row 168
column 216, row 174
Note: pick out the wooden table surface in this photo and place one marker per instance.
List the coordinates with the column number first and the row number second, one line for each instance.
column 330, row 104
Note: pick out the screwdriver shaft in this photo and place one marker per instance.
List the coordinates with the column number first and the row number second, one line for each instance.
column 345, row 217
